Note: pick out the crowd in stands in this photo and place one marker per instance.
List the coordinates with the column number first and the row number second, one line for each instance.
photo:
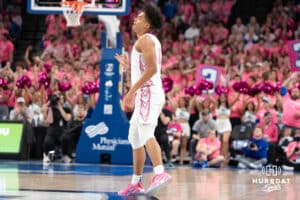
column 207, row 126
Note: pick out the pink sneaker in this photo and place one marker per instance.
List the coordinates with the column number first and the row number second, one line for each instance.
column 132, row 189
column 157, row 182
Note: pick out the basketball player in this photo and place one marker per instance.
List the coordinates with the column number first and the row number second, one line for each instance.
column 149, row 99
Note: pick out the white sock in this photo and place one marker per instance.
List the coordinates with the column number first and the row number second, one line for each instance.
column 135, row 179
column 159, row 169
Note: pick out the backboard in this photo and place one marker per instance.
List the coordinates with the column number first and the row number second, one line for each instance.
column 93, row 7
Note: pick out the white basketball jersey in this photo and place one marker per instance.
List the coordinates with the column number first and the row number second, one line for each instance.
column 138, row 65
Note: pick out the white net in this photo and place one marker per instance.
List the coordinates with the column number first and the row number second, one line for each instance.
column 72, row 17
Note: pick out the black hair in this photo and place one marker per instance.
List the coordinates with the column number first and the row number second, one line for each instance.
column 153, row 17
column 226, row 103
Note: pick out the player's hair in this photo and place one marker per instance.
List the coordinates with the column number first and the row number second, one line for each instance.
column 153, row 17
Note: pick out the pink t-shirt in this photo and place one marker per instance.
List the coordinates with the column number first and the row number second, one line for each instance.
column 227, row 6
column 29, row 74
column 290, row 108
column 217, row 6
column 270, row 131
column 189, row 77
column 176, row 127
column 181, row 47
column 290, row 149
column 187, row 10
column 262, row 111
column 236, row 109
column 204, row 6
column 211, row 144
column 6, row 48
column 197, row 51
column 61, row 75
column 176, row 76
column 246, row 75
column 171, row 62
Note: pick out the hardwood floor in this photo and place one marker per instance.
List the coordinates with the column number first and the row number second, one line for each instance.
column 32, row 180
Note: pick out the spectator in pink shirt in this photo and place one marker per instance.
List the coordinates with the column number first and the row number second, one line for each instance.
column 187, row 9
column 56, row 49
column 291, row 104
column 175, row 75
column 6, row 49
column 267, row 107
column 208, row 151
column 291, row 109
column 220, row 34
column 270, row 130
column 174, row 132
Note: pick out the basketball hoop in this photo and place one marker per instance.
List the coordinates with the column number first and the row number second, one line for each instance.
column 73, row 11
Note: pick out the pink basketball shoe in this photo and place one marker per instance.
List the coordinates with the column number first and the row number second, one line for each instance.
column 132, row 189
column 157, row 182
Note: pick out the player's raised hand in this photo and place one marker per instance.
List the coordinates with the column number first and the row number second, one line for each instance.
column 123, row 60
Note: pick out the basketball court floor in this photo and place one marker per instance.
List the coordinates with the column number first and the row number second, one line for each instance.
column 33, row 180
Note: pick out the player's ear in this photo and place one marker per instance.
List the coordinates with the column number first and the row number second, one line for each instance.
column 147, row 26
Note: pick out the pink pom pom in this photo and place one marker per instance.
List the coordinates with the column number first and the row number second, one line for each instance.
column 64, row 86
column 190, row 91
column 167, row 84
column 3, row 82
column 206, row 85
column 198, row 89
column 47, row 83
column 85, row 89
column 90, row 88
column 255, row 90
column 277, row 87
column 241, row 87
column 298, row 85
column 19, row 84
column 28, row 84
column 221, row 90
column 47, row 67
column 26, row 80
column 42, row 77
column 267, row 88
column 93, row 87
column 23, row 81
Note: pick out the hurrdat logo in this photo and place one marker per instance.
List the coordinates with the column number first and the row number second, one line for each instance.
column 4, row 131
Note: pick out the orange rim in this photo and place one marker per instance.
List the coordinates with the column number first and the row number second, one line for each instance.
column 75, row 5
